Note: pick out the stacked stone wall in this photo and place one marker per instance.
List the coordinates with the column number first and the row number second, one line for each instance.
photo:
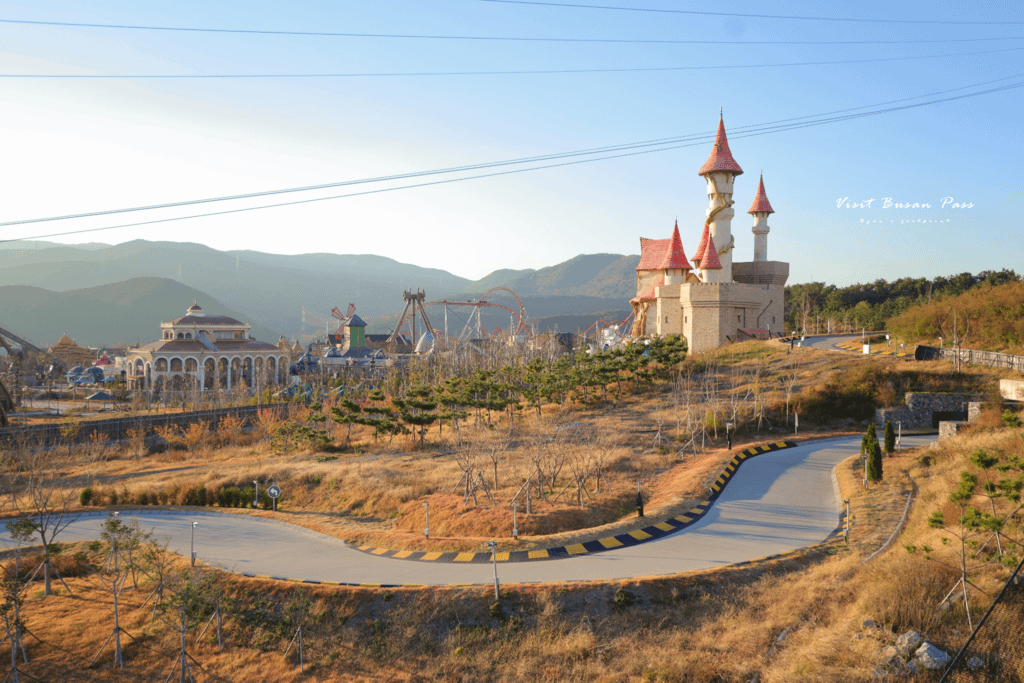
column 921, row 408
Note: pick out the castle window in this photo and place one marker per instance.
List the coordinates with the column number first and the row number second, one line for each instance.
column 685, row 319
column 188, row 335
column 773, row 320
column 666, row 318
column 181, row 336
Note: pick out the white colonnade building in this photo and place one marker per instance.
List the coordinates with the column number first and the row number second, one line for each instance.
column 206, row 352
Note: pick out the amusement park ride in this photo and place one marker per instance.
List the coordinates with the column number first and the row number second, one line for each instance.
column 6, row 339
column 414, row 321
column 519, row 322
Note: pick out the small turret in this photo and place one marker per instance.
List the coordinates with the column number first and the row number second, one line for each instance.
column 674, row 263
column 760, row 210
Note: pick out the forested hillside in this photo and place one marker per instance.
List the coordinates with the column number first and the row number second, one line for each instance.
column 991, row 316
column 816, row 307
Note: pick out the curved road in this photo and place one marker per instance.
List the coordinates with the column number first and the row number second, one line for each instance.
column 776, row 502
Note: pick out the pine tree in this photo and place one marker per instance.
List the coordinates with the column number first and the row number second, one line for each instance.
column 890, row 438
column 874, row 451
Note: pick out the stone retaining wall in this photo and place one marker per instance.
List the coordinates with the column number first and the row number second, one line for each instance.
column 926, row 410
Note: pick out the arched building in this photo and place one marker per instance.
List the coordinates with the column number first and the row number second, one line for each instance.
column 204, row 352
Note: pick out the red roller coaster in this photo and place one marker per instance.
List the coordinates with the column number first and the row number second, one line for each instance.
column 610, row 331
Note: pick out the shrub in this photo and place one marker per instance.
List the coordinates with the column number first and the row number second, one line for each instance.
column 86, row 496
column 890, row 438
column 142, row 498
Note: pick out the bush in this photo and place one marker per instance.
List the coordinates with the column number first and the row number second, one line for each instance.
column 86, row 496
column 196, row 496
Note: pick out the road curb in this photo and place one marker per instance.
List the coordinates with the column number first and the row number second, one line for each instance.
column 632, row 538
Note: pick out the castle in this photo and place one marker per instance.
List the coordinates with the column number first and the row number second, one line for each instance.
column 712, row 301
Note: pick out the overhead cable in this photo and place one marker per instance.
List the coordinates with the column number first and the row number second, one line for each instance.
column 514, row 72
column 788, row 127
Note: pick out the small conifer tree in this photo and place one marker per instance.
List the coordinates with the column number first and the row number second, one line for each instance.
column 874, row 451
column 890, row 438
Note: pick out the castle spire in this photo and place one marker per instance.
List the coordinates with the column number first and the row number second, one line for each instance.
column 701, row 246
column 721, row 158
column 675, row 257
column 709, row 258
column 761, row 203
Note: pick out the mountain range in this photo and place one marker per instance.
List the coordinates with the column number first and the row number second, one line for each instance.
column 101, row 294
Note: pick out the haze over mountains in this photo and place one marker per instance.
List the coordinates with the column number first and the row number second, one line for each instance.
column 102, row 294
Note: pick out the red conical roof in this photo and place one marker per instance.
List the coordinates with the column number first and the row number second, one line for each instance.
column 675, row 257
column 721, row 158
column 761, row 200
column 709, row 257
column 702, row 245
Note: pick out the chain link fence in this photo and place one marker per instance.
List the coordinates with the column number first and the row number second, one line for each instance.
column 995, row 651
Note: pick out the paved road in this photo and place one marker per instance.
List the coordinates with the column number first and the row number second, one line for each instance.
column 776, row 502
column 829, row 341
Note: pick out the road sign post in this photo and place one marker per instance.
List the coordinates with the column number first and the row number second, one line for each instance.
column 274, row 491
column 493, row 545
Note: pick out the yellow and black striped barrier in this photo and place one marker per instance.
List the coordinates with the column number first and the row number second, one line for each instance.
column 631, row 538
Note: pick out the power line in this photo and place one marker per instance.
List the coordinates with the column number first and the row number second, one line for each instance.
column 520, row 72
column 736, row 132
column 775, row 129
column 569, row 5
column 530, row 39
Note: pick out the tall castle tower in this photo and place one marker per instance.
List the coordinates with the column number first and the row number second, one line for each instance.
column 720, row 171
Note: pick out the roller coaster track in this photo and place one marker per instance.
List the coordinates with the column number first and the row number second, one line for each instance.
column 6, row 337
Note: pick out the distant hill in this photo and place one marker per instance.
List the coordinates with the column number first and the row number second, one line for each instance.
column 123, row 312
column 271, row 290
column 610, row 276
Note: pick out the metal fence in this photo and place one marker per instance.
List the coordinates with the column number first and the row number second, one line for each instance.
column 117, row 428
column 995, row 651
column 972, row 356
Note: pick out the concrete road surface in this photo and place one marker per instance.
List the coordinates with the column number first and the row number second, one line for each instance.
column 776, row 502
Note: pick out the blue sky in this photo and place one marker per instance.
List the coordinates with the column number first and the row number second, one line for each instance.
column 71, row 146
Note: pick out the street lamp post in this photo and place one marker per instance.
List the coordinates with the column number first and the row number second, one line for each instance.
column 728, row 434
column 864, row 461
column 426, row 508
column 515, row 525
column 846, row 526
column 493, row 545
column 193, row 543
column 256, row 502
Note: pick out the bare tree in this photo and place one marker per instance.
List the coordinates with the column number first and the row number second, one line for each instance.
column 42, row 498
column 184, row 607
column 123, row 540
column 956, row 331
column 12, row 594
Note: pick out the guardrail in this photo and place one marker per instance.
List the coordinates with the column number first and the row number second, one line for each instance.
column 987, row 358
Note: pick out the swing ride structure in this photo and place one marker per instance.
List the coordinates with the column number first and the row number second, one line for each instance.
column 416, row 303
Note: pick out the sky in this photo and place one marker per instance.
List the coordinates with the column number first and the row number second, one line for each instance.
column 71, row 146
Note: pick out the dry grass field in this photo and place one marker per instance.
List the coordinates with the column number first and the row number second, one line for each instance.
column 797, row 618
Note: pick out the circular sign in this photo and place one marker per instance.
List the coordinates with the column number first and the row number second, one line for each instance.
column 274, row 491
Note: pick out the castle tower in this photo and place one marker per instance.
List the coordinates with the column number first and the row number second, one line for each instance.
column 675, row 264
column 719, row 171
column 760, row 210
